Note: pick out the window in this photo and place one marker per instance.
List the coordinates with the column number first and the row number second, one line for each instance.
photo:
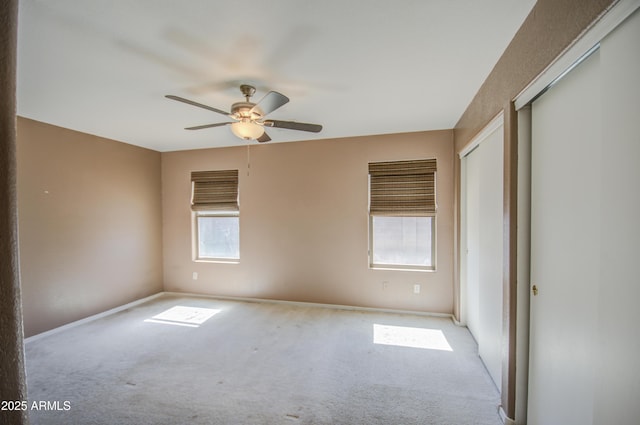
column 402, row 241
column 214, row 202
column 402, row 214
column 218, row 236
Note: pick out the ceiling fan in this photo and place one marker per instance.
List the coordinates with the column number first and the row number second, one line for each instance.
column 249, row 118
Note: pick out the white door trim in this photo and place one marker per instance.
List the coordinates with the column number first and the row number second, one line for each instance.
column 495, row 123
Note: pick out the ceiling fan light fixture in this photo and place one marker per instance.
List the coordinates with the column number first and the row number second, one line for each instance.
column 249, row 116
column 246, row 129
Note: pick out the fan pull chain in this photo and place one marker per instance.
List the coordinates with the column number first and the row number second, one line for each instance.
column 248, row 158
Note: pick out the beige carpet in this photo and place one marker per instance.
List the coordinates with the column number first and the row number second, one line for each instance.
column 191, row 360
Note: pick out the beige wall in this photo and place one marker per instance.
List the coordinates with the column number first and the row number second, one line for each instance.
column 304, row 223
column 89, row 214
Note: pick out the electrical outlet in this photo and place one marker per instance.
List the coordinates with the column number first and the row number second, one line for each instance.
column 195, row 275
column 416, row 288
column 385, row 284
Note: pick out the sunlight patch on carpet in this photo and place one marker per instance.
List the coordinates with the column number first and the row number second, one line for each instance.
column 179, row 315
column 402, row 336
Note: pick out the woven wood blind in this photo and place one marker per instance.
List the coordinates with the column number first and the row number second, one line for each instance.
column 214, row 190
column 403, row 188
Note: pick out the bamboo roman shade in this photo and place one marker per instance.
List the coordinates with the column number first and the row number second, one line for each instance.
column 403, row 188
column 214, row 190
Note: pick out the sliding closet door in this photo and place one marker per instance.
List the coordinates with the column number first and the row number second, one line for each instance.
column 565, row 232
column 618, row 369
column 585, row 233
column 483, row 223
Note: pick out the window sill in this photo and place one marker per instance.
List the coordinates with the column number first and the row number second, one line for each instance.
column 402, row 268
column 216, row 260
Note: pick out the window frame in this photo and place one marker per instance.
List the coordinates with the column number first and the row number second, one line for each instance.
column 196, row 236
column 431, row 165
column 406, row 267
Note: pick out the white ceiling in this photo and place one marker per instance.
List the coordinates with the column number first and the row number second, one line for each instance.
column 358, row 67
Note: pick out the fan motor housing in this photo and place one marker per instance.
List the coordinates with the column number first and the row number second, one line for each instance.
column 243, row 110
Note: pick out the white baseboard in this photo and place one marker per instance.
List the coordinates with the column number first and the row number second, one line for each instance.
column 92, row 317
column 504, row 418
column 309, row 304
column 457, row 322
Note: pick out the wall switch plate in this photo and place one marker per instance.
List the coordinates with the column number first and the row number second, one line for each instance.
column 416, row 288
column 195, row 275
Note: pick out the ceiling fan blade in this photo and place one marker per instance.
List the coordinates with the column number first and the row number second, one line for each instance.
column 264, row 138
column 270, row 102
column 199, row 105
column 292, row 125
column 199, row 127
